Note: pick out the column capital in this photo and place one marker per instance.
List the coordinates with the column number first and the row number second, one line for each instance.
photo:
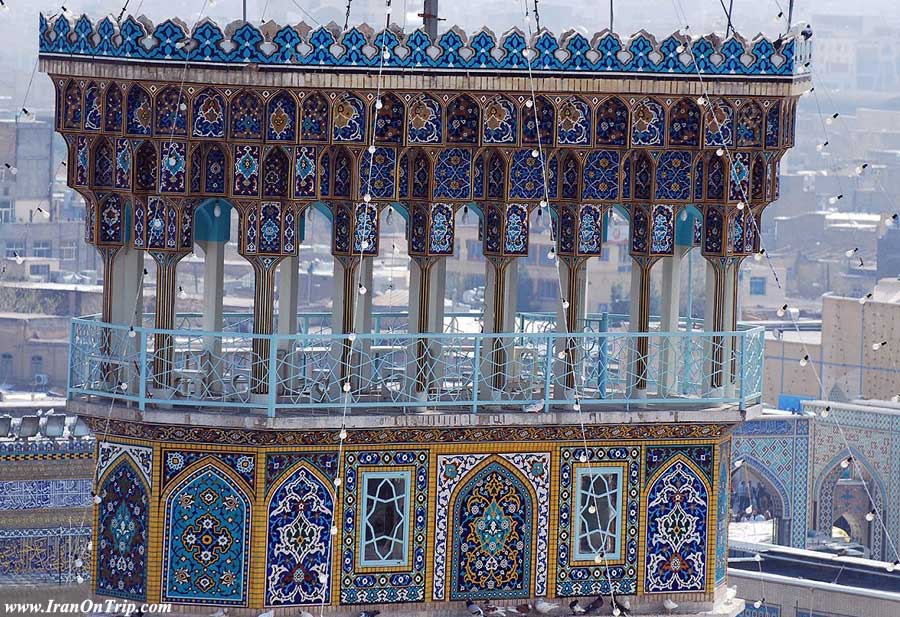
column 729, row 232
column 269, row 228
column 579, row 230
column 355, row 229
column 430, row 231
column 163, row 224
column 506, row 230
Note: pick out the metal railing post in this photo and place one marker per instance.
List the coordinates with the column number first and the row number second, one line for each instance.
column 603, row 356
column 742, row 372
column 142, row 376
column 548, row 373
column 71, row 360
column 273, row 375
column 476, row 374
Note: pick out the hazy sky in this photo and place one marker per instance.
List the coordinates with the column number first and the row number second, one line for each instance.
column 18, row 26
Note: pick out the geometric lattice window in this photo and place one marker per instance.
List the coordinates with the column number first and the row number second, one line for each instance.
column 385, row 517
column 599, row 513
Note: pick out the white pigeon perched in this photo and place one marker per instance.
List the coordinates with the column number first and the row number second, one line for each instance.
column 305, row 614
column 270, row 613
column 730, row 593
column 474, row 609
column 543, row 607
column 670, row 604
column 220, row 613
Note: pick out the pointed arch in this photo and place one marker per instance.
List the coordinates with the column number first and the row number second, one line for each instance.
column 145, row 167
column 463, row 120
column 112, row 109
column 92, row 116
column 103, row 164
column 300, row 500
column 719, row 122
column 570, row 176
column 648, row 122
column 495, row 174
column 684, row 123
column 715, row 178
column 246, row 111
column 824, row 492
column 348, row 119
column 276, row 173
column 676, row 553
column 539, row 122
column 425, row 122
column 500, row 121
column 215, row 170
column 123, row 517
column 72, row 106
column 208, row 117
column 783, row 509
column 494, row 494
column 640, row 176
column 418, row 173
column 171, row 112
column 758, row 179
column 139, row 111
column 612, row 122
column 574, row 125
column 750, row 125
column 341, row 172
column 390, row 119
column 281, row 117
column 314, row 119
column 206, row 547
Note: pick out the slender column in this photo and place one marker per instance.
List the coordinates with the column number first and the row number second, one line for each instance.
column 127, row 283
column 213, row 293
column 671, row 300
column 263, row 317
column 288, row 281
column 500, row 295
column 166, row 264
column 639, row 321
column 716, row 309
column 427, row 283
column 352, row 313
column 573, row 277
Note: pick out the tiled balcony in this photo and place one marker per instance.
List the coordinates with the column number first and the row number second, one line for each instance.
column 391, row 371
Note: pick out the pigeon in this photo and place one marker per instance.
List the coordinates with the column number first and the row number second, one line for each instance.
column 806, row 33
column 305, row 614
column 621, row 607
column 270, row 613
column 492, row 610
column 371, row 613
column 576, row 608
column 730, row 593
column 543, row 607
column 594, row 606
column 220, row 613
column 521, row 609
column 474, row 609
column 670, row 604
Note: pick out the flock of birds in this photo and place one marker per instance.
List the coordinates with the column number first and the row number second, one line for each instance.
column 621, row 607
column 618, row 607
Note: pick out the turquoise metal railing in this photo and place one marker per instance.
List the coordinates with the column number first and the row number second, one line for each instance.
column 535, row 369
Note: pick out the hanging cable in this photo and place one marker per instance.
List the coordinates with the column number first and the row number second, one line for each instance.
column 347, row 16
